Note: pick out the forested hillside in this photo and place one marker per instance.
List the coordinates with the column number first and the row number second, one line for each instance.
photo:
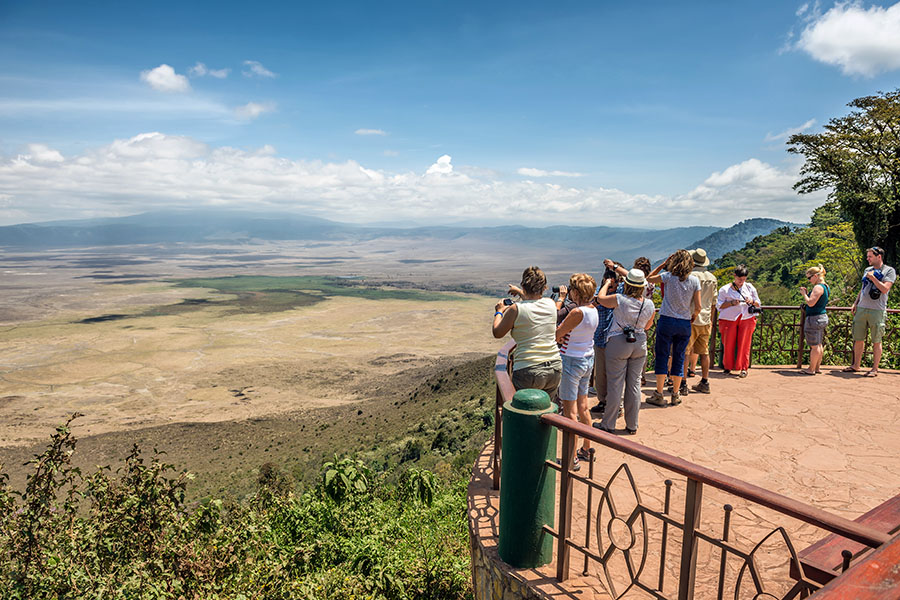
column 778, row 261
column 720, row 242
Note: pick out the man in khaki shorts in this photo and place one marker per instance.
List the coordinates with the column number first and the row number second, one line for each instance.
column 701, row 327
column 870, row 309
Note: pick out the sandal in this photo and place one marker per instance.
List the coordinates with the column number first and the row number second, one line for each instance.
column 583, row 454
column 691, row 373
column 631, row 431
column 743, row 374
column 871, row 373
column 850, row 370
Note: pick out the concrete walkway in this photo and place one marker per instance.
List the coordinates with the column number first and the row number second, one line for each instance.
column 831, row 440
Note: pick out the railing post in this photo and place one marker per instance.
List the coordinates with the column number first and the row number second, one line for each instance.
column 565, row 506
column 688, row 571
column 498, row 433
column 527, row 485
column 802, row 339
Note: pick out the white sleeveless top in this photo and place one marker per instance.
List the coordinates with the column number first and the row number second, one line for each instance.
column 579, row 343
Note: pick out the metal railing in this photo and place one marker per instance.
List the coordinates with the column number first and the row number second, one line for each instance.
column 696, row 477
column 778, row 339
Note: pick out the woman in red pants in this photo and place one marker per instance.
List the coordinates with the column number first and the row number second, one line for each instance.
column 737, row 320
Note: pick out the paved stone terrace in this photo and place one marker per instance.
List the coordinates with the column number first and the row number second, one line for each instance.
column 831, row 440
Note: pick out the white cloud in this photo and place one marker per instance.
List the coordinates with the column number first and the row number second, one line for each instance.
column 164, row 79
column 441, row 167
column 370, row 132
column 201, row 70
column 255, row 68
column 530, row 172
column 861, row 41
column 771, row 137
column 198, row 70
column 155, row 171
column 43, row 154
column 251, row 110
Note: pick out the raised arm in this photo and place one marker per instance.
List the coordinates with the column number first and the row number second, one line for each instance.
column 504, row 319
column 653, row 276
column 568, row 324
column 811, row 299
column 604, row 299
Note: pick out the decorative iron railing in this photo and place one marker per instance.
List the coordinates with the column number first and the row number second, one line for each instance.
column 626, row 534
column 778, row 339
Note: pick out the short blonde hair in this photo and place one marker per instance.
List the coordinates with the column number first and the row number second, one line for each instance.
column 816, row 270
column 584, row 284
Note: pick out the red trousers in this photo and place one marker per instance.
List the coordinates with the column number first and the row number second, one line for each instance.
column 736, row 338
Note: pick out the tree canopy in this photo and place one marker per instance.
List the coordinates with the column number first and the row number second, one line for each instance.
column 857, row 158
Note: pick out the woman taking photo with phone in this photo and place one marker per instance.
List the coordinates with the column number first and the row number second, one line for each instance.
column 738, row 304
column 816, row 320
column 532, row 324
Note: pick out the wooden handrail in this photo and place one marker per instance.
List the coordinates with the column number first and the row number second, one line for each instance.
column 793, row 508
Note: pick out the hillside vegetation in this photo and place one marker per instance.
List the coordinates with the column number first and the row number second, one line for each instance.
column 386, row 521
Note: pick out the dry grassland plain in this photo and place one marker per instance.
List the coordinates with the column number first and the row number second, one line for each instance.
column 117, row 339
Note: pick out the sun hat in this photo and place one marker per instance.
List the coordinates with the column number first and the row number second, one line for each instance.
column 635, row 277
column 700, row 257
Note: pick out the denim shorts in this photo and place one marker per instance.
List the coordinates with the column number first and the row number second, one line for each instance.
column 576, row 376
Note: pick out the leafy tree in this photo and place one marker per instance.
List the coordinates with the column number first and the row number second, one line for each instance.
column 857, row 158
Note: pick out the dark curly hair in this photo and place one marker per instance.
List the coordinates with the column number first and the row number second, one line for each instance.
column 643, row 263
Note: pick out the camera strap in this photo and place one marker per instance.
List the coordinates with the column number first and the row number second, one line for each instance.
column 637, row 319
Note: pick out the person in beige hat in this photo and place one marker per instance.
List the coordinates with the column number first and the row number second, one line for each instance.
column 701, row 328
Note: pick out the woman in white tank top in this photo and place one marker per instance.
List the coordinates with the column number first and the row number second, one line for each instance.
column 575, row 336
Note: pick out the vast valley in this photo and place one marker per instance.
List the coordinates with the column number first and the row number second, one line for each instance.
column 228, row 357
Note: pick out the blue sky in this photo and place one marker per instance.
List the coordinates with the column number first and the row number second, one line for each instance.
column 653, row 113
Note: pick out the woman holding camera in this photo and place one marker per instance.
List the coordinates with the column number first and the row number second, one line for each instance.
column 626, row 348
column 532, row 324
column 816, row 320
column 680, row 306
column 738, row 304
column 575, row 336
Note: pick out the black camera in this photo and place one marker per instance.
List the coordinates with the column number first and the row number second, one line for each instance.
column 874, row 293
column 507, row 302
column 754, row 310
column 628, row 332
column 555, row 289
column 609, row 274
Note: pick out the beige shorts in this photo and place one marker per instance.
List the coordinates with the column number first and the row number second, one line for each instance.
column 699, row 343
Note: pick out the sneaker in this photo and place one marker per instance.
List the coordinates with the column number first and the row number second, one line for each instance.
column 726, row 371
column 631, row 431
column 683, row 390
column 643, row 381
column 702, row 387
column 676, row 399
column 575, row 465
column 743, row 374
column 669, row 383
column 656, row 399
column 583, row 454
column 601, row 407
column 592, row 391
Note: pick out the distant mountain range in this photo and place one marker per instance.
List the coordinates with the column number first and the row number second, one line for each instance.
column 226, row 226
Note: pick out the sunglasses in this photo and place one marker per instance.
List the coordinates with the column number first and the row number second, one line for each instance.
column 877, row 250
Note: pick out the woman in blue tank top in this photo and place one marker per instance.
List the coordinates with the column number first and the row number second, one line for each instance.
column 816, row 319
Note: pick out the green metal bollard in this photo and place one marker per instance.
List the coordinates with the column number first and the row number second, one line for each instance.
column 527, row 486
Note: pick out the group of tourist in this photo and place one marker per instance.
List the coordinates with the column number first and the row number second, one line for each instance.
column 596, row 334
